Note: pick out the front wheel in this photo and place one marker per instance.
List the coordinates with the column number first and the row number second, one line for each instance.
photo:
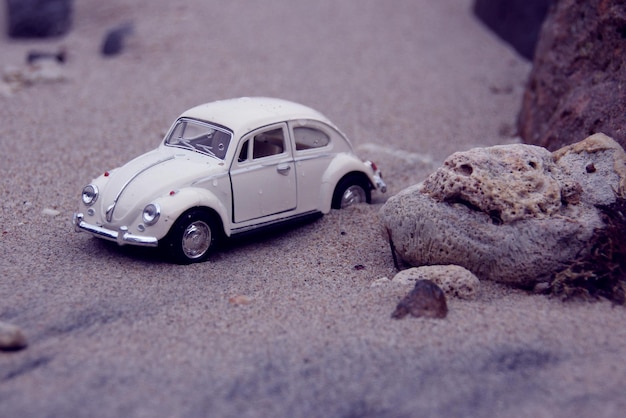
column 193, row 237
column 350, row 191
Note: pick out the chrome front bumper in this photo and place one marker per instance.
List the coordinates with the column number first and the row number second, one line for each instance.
column 122, row 237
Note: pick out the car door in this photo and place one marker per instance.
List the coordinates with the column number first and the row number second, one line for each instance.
column 263, row 175
column 313, row 144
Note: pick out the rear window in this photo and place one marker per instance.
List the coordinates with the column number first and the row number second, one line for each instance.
column 309, row 138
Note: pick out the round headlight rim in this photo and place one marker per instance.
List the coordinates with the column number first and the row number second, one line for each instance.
column 149, row 219
column 89, row 197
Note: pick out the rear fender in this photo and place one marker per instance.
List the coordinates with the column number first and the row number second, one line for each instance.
column 342, row 165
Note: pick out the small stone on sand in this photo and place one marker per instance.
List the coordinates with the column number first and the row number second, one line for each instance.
column 425, row 300
column 11, row 337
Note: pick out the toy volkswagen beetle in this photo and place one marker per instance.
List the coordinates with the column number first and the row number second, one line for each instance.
column 225, row 168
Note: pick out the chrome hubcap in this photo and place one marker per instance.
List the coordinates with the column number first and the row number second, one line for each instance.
column 353, row 195
column 196, row 239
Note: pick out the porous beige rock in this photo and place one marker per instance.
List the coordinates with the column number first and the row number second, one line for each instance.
column 455, row 281
column 508, row 182
column 600, row 183
column 512, row 213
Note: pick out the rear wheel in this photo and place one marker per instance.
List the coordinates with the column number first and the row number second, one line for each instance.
column 193, row 237
column 351, row 190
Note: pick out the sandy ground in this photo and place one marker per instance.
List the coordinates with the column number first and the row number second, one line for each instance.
column 118, row 332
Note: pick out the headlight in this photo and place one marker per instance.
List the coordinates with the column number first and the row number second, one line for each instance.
column 90, row 194
column 151, row 214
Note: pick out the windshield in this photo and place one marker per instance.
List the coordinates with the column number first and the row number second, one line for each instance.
column 199, row 136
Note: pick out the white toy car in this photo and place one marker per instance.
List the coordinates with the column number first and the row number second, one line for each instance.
column 225, row 168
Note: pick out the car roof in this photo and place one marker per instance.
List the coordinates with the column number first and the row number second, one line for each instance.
column 244, row 114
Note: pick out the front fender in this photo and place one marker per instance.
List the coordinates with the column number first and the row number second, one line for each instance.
column 179, row 201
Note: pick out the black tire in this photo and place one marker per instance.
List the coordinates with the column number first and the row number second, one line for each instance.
column 350, row 190
column 193, row 237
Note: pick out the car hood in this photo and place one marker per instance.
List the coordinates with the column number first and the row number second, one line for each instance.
column 125, row 191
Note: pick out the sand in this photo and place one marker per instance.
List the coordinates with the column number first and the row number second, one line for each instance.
column 118, row 332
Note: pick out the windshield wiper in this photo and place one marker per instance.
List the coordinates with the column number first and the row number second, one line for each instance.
column 206, row 149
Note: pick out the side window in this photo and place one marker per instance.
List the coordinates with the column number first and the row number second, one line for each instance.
column 309, row 138
column 268, row 143
column 243, row 154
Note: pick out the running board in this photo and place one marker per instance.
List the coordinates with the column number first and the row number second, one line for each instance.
column 282, row 221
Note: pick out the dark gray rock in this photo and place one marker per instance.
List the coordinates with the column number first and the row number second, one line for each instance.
column 577, row 86
column 38, row 18
column 426, row 300
column 517, row 22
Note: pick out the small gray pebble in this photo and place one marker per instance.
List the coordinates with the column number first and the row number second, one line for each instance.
column 11, row 337
column 114, row 39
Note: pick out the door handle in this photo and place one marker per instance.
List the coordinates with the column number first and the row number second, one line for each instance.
column 283, row 169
